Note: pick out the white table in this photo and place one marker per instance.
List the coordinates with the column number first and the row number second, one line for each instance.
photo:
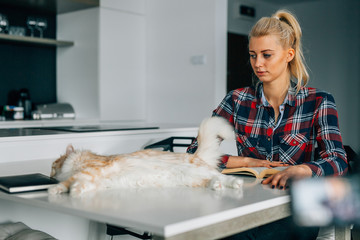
column 170, row 213
column 175, row 213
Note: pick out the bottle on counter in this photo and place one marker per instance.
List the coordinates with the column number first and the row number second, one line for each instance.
column 24, row 101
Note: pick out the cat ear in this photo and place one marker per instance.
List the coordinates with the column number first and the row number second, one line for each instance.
column 69, row 149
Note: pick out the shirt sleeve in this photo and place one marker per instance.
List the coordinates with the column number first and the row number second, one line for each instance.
column 226, row 108
column 332, row 160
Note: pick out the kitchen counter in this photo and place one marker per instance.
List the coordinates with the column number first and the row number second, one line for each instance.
column 45, row 123
column 33, row 143
column 44, row 128
column 26, row 132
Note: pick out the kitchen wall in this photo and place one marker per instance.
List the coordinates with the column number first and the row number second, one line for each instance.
column 153, row 61
column 330, row 36
column 180, row 88
column 242, row 25
column 179, row 75
column 331, row 32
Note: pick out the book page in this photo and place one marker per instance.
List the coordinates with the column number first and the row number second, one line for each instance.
column 258, row 172
column 244, row 171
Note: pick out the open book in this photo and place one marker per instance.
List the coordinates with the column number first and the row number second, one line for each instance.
column 25, row 183
column 258, row 172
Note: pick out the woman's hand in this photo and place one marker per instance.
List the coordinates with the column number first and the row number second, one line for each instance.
column 280, row 179
column 235, row 162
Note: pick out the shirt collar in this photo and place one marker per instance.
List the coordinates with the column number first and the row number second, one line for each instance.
column 290, row 98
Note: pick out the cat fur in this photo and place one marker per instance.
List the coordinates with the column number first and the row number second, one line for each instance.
column 80, row 171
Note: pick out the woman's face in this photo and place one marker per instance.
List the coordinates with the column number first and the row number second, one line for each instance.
column 269, row 59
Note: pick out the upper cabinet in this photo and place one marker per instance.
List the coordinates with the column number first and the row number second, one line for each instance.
column 130, row 6
column 107, row 65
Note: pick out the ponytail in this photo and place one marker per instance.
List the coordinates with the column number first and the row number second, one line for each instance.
column 285, row 25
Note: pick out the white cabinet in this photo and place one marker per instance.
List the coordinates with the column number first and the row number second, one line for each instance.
column 134, row 6
column 122, row 65
column 103, row 74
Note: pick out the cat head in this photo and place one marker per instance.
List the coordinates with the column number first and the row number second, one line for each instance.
column 57, row 165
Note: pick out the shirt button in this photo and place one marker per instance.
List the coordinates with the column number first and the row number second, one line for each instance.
column 269, row 139
column 268, row 158
column 294, row 142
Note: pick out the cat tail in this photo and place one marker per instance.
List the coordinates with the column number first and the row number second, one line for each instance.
column 212, row 132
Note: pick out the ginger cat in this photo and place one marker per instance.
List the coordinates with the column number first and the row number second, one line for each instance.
column 81, row 171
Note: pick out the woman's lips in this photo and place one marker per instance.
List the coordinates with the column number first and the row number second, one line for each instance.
column 260, row 73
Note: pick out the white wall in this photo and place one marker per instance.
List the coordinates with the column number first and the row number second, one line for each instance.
column 331, row 34
column 177, row 90
column 240, row 25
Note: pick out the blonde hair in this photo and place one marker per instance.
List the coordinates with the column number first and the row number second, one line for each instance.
column 285, row 25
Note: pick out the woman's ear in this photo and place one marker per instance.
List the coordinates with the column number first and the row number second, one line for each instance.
column 291, row 55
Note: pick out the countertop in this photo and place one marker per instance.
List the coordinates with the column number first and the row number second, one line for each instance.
column 48, row 128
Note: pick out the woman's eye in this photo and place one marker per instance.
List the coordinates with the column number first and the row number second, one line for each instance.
column 253, row 56
column 267, row 55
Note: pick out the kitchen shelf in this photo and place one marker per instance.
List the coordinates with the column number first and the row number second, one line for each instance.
column 46, row 42
column 51, row 6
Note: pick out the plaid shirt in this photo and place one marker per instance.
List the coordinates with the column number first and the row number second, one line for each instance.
column 309, row 117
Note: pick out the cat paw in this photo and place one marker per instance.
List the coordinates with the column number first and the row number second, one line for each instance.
column 237, row 183
column 215, row 184
column 57, row 189
column 77, row 189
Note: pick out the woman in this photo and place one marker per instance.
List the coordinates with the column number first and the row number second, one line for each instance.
column 279, row 121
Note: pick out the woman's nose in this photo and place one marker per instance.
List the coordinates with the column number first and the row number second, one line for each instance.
column 258, row 62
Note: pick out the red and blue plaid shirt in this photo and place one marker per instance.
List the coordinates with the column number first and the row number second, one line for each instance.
column 309, row 118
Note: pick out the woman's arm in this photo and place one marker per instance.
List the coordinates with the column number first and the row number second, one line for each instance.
column 332, row 159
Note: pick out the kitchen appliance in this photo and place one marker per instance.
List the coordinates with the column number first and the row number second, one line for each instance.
column 54, row 111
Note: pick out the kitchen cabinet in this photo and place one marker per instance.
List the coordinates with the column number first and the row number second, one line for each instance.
column 103, row 75
column 122, row 66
